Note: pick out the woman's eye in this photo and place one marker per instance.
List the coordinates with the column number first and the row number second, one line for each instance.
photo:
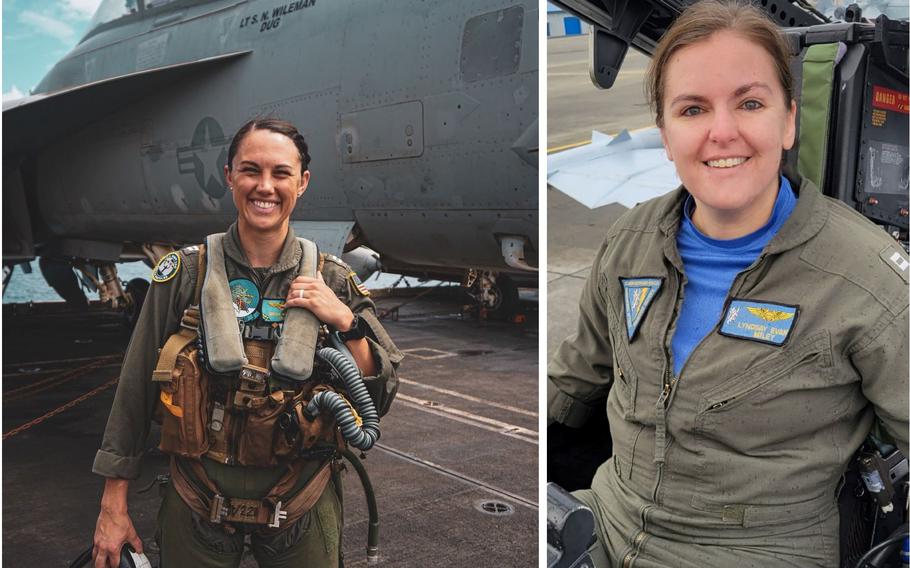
column 691, row 111
column 752, row 105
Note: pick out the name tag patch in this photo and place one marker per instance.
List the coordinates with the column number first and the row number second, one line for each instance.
column 637, row 296
column 273, row 309
column 759, row 321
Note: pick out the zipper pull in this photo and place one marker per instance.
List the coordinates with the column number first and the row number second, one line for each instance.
column 664, row 394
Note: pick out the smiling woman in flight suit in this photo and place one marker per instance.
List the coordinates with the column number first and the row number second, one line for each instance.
column 227, row 442
column 744, row 331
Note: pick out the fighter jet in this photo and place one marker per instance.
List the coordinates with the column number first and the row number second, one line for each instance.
column 421, row 118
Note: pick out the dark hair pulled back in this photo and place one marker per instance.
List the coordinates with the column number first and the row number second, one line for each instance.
column 272, row 125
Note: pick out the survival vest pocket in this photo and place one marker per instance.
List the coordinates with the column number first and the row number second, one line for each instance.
column 184, row 407
column 262, row 442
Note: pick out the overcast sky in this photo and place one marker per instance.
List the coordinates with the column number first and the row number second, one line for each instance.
column 36, row 33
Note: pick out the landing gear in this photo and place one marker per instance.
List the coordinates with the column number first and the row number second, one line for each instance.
column 103, row 277
column 7, row 274
column 496, row 295
column 59, row 274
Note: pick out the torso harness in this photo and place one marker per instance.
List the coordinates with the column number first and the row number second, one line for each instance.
column 248, row 395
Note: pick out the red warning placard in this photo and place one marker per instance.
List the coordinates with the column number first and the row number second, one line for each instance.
column 890, row 99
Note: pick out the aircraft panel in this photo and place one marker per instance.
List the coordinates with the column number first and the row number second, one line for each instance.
column 491, row 44
column 383, row 133
column 448, row 238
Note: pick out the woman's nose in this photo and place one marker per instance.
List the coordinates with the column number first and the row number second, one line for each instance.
column 724, row 128
column 266, row 183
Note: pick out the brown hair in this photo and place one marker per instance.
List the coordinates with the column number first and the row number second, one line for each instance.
column 702, row 20
column 273, row 125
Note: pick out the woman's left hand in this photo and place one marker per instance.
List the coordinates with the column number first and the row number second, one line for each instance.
column 315, row 295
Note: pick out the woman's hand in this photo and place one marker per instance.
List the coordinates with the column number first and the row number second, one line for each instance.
column 114, row 527
column 315, row 295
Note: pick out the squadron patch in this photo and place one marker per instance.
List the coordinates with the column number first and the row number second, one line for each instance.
column 357, row 284
column 167, row 267
column 273, row 309
column 759, row 321
column 637, row 294
column 245, row 297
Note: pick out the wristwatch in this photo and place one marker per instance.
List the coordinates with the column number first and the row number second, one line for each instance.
column 357, row 330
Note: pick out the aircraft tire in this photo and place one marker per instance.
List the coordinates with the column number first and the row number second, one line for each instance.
column 508, row 303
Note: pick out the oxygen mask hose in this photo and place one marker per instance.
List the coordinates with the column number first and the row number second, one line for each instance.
column 372, row 508
column 361, row 436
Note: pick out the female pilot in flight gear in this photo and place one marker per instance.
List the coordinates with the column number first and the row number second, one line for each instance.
column 744, row 331
column 226, row 398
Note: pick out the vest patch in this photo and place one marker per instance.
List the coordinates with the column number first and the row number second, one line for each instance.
column 167, row 267
column 245, row 297
column 273, row 309
column 637, row 295
column 759, row 321
column 357, row 284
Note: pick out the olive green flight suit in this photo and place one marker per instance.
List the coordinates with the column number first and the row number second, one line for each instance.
column 128, row 426
column 735, row 462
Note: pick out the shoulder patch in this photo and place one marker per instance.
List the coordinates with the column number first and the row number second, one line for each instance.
column 167, row 267
column 358, row 286
column 897, row 260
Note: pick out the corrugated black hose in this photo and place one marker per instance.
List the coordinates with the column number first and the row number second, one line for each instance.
column 361, row 437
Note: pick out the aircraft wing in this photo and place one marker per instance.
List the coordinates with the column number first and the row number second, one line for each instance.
column 33, row 121
column 628, row 169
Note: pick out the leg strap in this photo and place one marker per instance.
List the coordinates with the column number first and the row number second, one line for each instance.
column 205, row 499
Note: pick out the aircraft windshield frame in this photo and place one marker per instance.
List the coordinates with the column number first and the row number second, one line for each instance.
column 110, row 10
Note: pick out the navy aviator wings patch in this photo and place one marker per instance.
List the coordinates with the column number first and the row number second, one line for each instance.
column 759, row 321
column 637, row 295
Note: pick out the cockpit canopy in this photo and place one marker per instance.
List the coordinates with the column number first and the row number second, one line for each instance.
column 111, row 10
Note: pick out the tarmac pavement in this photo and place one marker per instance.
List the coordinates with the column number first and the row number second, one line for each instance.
column 575, row 107
column 460, row 437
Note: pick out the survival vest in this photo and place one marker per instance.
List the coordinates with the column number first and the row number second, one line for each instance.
column 217, row 399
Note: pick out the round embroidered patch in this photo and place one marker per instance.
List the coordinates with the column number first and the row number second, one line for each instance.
column 245, row 297
column 167, row 267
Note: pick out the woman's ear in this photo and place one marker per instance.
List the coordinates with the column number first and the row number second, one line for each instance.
column 663, row 138
column 304, row 182
column 790, row 127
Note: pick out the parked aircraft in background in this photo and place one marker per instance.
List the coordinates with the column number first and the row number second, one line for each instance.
column 421, row 118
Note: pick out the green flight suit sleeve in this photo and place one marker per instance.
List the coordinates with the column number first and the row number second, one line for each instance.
column 131, row 415
column 881, row 359
column 581, row 371
column 384, row 385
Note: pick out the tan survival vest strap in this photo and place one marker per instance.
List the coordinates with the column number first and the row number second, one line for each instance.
column 270, row 511
column 188, row 332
